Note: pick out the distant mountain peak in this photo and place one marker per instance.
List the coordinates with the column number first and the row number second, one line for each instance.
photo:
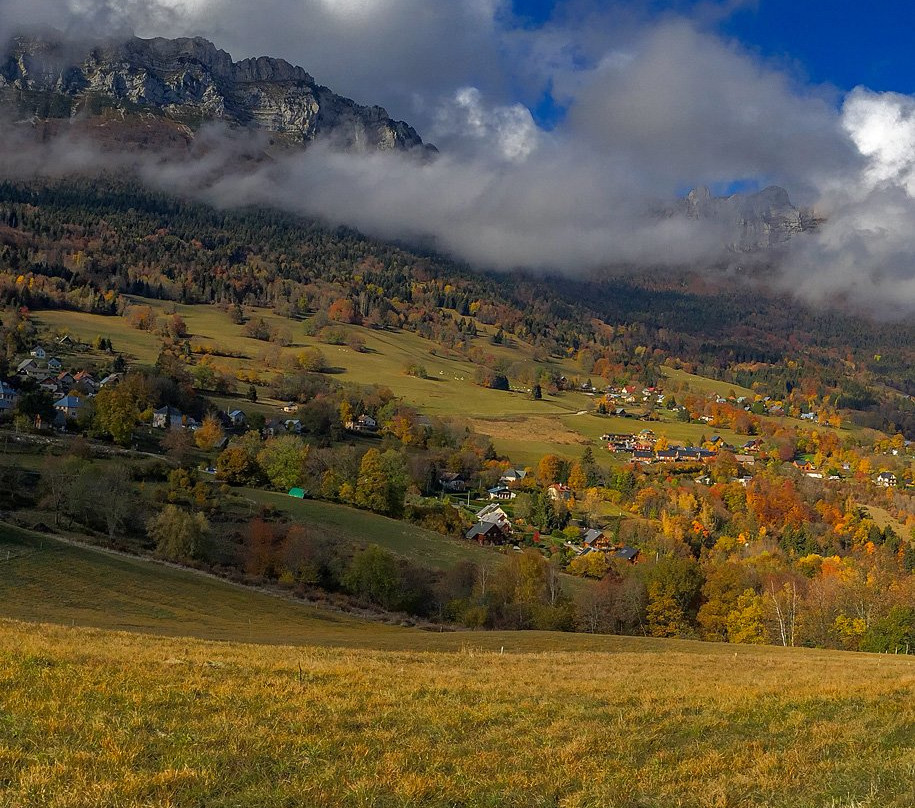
column 754, row 221
column 190, row 81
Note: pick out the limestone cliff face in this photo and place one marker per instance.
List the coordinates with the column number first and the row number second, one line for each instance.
column 752, row 221
column 191, row 81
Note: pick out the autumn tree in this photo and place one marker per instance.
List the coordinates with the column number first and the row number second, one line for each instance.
column 549, row 469
column 179, row 535
column 381, row 483
column 115, row 414
column 578, row 477
column 283, row 460
column 210, row 433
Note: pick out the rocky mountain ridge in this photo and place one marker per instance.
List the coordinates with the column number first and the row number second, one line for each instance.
column 190, row 81
column 756, row 221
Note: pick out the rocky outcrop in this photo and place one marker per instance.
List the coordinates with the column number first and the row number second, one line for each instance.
column 191, row 81
column 752, row 222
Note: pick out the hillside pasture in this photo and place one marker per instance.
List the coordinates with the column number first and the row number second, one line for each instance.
column 100, row 718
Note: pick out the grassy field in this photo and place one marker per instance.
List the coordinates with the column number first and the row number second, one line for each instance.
column 128, row 701
column 449, row 390
column 42, row 579
column 520, row 428
column 704, row 386
column 93, row 718
column 345, row 524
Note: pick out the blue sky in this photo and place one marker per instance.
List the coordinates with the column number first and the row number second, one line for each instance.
column 824, row 41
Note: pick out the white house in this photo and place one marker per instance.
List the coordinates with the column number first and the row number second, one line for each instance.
column 886, row 479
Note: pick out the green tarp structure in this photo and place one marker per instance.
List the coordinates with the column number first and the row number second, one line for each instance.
column 297, row 492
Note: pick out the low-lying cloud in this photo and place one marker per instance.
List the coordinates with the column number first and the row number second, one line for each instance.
column 650, row 108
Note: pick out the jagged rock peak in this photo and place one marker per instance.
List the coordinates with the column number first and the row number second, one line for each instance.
column 191, row 80
column 754, row 221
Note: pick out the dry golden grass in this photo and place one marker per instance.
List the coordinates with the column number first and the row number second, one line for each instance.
column 95, row 718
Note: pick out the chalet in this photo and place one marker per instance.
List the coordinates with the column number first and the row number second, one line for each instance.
column 511, row 476
column 559, row 492
column 66, row 340
column 68, row 406
column 704, row 480
column 667, row 455
column 743, row 479
column 501, row 493
column 804, row 466
column 293, row 425
column 808, row 416
column 50, row 386
column 752, row 446
column 643, row 456
column 38, row 352
column 626, row 553
column 66, row 380
column 596, row 540
column 111, row 380
column 55, row 364
column 364, row 423
column 490, row 532
column 169, row 417
column 452, row 482
column 745, row 459
column 886, row 479
column 291, row 406
column 237, row 418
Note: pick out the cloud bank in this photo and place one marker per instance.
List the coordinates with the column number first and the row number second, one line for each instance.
column 648, row 107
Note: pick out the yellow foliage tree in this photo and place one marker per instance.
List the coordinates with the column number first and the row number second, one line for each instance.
column 209, row 434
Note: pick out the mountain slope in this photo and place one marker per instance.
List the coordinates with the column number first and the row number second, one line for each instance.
column 191, row 81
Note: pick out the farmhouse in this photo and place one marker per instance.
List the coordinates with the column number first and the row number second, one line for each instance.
column 238, row 418
column 364, row 423
column 886, row 479
column 68, row 406
column 452, row 482
column 512, row 476
column 501, row 493
column 493, row 513
column 169, row 417
column 559, row 492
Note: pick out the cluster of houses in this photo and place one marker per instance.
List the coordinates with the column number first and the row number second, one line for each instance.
column 494, row 527
column 596, row 540
column 68, row 388
column 628, row 394
column 643, row 449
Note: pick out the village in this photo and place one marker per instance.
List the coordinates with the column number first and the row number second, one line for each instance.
column 57, row 372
